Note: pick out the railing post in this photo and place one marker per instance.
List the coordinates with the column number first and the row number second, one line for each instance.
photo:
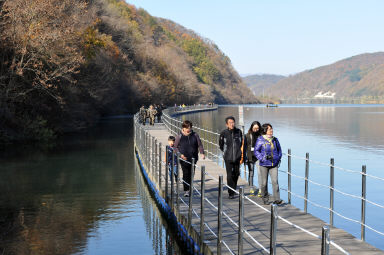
column 331, row 191
column 289, row 176
column 151, row 153
column 208, row 143
column 202, row 206
column 273, row 231
column 241, row 221
column 325, row 240
column 171, row 175
column 363, row 197
column 160, row 165
column 145, row 149
column 178, row 182
column 191, row 195
column 217, row 148
column 141, row 140
column 204, row 140
column 166, row 172
column 174, row 126
column 220, row 216
column 148, row 152
column 156, row 163
column 306, row 182
column 134, row 130
column 211, row 144
column 153, row 157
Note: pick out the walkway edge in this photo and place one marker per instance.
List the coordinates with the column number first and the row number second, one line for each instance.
column 177, row 223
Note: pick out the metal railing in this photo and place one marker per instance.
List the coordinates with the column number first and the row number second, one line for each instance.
column 150, row 151
column 210, row 141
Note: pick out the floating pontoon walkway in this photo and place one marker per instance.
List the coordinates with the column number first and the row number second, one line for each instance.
column 296, row 232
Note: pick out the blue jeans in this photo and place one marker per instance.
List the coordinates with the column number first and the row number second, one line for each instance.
column 175, row 172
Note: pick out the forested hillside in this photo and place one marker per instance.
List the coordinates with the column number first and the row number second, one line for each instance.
column 359, row 77
column 66, row 63
column 259, row 82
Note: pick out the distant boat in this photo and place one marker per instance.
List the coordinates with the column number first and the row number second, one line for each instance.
column 271, row 105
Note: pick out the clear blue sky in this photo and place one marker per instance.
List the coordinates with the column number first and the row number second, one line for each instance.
column 280, row 36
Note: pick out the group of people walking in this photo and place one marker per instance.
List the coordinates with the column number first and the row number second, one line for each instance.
column 152, row 113
column 259, row 149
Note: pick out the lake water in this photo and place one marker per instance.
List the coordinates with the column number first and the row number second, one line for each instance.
column 352, row 134
column 84, row 195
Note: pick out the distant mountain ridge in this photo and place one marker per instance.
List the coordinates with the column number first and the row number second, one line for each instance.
column 360, row 76
column 259, row 82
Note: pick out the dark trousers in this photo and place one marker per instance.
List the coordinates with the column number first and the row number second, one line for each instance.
column 187, row 172
column 233, row 173
column 251, row 172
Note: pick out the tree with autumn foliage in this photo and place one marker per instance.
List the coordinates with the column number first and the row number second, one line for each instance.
column 66, row 63
column 40, row 49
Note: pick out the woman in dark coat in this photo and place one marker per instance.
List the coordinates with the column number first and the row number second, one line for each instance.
column 251, row 137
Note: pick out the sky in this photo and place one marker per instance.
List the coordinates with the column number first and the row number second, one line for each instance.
column 280, row 36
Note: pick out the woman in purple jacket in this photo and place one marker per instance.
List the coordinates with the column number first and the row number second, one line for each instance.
column 268, row 152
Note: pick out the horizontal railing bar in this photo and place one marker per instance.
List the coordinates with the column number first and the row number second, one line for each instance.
column 332, row 188
column 336, row 167
column 168, row 124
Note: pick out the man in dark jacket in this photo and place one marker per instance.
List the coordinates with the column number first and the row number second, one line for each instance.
column 189, row 145
column 231, row 143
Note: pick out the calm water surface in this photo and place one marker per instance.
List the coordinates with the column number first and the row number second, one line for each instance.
column 352, row 134
column 85, row 195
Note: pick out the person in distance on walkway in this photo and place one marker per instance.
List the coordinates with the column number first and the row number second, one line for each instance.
column 189, row 145
column 143, row 115
column 231, row 143
column 159, row 110
column 152, row 113
column 251, row 160
column 268, row 152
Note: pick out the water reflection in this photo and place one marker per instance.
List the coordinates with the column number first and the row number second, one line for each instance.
column 81, row 196
column 156, row 226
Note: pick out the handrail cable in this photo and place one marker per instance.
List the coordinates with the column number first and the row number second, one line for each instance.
column 337, row 213
column 332, row 188
column 310, row 160
column 285, row 220
column 194, row 211
column 336, row 167
column 288, row 222
column 292, row 224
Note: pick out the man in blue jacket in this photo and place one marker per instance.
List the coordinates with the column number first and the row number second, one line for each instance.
column 231, row 143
